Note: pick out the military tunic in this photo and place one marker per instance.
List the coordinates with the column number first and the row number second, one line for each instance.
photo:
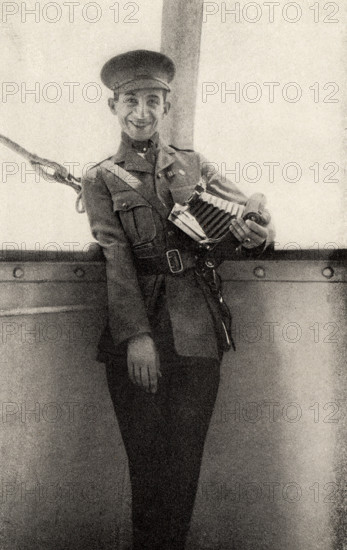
column 129, row 227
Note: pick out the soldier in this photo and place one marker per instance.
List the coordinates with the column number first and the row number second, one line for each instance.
column 163, row 343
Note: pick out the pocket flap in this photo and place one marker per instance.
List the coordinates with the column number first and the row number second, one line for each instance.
column 126, row 200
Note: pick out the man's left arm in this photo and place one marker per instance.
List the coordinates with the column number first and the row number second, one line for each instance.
column 254, row 237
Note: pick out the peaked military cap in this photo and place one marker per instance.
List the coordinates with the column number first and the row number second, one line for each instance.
column 138, row 69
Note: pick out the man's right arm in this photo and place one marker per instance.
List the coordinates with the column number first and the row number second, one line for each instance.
column 126, row 309
column 127, row 312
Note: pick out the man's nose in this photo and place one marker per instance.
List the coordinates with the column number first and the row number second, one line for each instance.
column 141, row 109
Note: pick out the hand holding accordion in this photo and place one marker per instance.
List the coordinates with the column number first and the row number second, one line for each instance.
column 207, row 218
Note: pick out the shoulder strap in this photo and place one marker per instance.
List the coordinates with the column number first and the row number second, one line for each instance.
column 138, row 186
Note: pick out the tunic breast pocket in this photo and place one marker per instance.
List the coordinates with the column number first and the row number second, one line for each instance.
column 136, row 217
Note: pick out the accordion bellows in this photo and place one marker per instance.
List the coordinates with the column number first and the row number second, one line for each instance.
column 206, row 218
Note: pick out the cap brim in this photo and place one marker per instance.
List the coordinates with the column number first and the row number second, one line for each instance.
column 140, row 84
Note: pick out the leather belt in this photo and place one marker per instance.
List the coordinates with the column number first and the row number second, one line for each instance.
column 171, row 262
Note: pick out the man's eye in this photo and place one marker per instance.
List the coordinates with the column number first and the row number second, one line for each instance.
column 130, row 100
column 153, row 102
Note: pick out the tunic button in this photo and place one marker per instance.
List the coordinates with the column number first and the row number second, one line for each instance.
column 125, row 205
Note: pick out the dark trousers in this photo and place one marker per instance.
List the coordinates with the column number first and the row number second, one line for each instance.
column 164, row 436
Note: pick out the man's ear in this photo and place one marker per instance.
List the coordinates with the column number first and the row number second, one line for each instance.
column 112, row 103
column 167, row 106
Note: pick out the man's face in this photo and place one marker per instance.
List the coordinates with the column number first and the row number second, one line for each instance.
column 140, row 112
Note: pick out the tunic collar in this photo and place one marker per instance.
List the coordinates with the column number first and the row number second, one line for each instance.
column 128, row 154
column 140, row 146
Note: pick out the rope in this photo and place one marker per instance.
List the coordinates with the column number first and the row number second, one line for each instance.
column 49, row 170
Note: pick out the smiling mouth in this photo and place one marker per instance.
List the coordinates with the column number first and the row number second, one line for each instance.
column 139, row 124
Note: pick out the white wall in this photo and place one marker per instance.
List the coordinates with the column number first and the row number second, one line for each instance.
column 79, row 131
column 305, row 132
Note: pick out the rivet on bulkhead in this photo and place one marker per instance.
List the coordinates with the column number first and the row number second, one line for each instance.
column 79, row 272
column 18, row 272
column 328, row 272
column 259, row 272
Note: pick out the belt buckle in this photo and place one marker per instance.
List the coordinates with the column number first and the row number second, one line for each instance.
column 174, row 261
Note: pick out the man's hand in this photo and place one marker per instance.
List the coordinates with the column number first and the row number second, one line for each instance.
column 143, row 362
column 249, row 233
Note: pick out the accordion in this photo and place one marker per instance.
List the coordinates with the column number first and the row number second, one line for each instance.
column 206, row 218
